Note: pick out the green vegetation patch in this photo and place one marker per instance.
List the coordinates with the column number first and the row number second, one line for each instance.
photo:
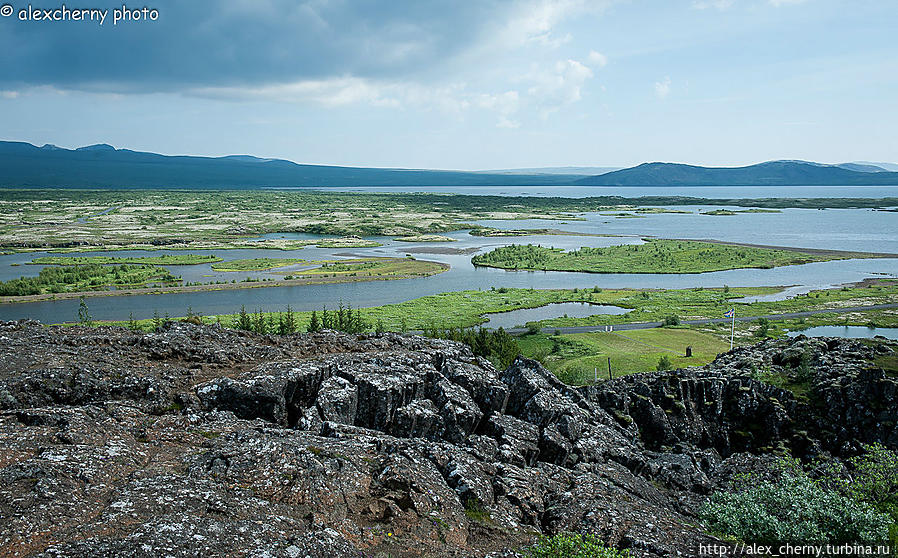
column 655, row 256
column 799, row 509
column 425, row 238
column 374, row 267
column 347, row 242
column 165, row 259
column 622, row 215
column 491, row 232
column 256, row 264
column 573, row 545
column 574, row 358
column 90, row 277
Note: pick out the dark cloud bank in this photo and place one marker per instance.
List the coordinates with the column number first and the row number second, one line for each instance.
column 201, row 43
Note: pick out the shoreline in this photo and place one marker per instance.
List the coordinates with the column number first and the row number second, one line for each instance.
column 441, row 267
column 844, row 254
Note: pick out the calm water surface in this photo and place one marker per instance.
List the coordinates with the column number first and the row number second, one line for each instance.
column 842, row 229
column 853, row 332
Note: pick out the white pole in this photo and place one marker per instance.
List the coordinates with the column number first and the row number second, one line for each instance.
column 733, row 329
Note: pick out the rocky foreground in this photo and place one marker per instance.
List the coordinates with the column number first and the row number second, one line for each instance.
column 201, row 441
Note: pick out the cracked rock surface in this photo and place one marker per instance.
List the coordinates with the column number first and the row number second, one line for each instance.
column 202, row 441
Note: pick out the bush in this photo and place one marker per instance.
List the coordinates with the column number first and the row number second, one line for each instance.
column 875, row 478
column 763, row 327
column 671, row 320
column 875, row 481
column 574, row 545
column 796, row 509
column 663, row 364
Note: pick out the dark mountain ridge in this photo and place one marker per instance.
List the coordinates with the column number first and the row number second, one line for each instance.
column 103, row 166
column 771, row 173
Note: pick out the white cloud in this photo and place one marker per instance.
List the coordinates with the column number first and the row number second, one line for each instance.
column 559, row 86
column 505, row 104
column 9, row 94
column 662, row 88
column 716, row 4
column 345, row 91
column 535, row 20
column 597, row 59
column 328, row 92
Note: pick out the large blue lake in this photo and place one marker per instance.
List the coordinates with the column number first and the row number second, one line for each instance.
column 841, row 229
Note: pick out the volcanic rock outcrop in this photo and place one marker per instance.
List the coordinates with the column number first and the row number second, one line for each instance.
column 200, row 441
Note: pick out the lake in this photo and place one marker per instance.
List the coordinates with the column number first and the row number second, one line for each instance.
column 840, row 229
column 852, row 332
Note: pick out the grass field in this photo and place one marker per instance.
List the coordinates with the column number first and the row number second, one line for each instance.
column 256, row 264
column 165, row 259
column 574, row 358
column 466, row 308
column 655, row 256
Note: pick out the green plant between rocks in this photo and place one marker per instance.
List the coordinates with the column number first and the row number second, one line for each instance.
column 574, row 545
column 795, row 509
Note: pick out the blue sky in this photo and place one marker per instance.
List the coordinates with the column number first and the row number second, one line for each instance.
column 465, row 85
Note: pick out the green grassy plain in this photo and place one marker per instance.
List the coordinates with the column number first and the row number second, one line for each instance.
column 655, row 256
column 466, row 308
column 575, row 357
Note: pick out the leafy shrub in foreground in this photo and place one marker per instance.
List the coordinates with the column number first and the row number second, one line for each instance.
column 796, row 509
column 574, row 545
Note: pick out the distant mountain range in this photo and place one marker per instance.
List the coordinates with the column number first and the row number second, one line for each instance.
column 771, row 173
column 103, row 166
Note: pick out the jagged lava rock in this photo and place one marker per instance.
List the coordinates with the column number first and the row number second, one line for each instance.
column 198, row 440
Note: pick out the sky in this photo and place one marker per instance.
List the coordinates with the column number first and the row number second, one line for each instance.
column 480, row 84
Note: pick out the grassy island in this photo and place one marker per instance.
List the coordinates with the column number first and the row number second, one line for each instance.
column 165, row 259
column 91, row 277
column 425, row 238
column 655, row 256
column 256, row 264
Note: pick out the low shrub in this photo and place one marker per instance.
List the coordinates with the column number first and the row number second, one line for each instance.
column 796, row 509
column 574, row 545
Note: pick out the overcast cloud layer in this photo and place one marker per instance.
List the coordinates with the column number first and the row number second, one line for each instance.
column 440, row 83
